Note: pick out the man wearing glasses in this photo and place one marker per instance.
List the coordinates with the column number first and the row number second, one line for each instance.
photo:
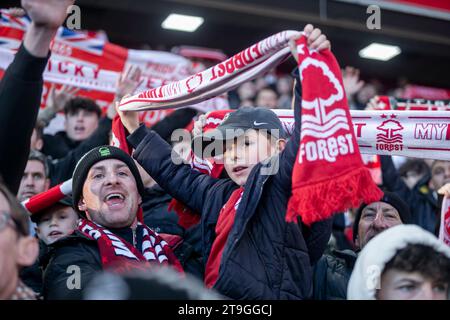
column 17, row 248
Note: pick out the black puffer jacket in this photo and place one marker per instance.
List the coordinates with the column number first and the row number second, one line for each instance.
column 331, row 275
column 73, row 255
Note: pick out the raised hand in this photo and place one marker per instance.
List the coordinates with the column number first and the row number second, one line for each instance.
column 445, row 190
column 315, row 40
column 47, row 13
column 57, row 98
column 128, row 82
column 46, row 16
column 352, row 83
column 130, row 119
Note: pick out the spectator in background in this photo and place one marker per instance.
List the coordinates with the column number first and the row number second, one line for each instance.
column 284, row 88
column 61, row 169
column 367, row 92
column 247, row 93
column 82, row 117
column 56, row 100
column 35, row 179
column 52, row 223
column 17, row 248
column 422, row 197
column 267, row 98
column 332, row 271
column 352, row 84
column 402, row 263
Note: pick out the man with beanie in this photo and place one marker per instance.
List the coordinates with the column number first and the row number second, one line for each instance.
column 107, row 192
column 332, row 271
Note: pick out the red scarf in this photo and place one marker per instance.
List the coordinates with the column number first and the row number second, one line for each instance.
column 120, row 255
column 328, row 175
column 223, row 228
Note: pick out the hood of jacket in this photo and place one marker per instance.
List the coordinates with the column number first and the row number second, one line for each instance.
column 379, row 251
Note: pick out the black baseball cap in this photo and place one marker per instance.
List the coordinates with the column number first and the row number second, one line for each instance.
column 237, row 123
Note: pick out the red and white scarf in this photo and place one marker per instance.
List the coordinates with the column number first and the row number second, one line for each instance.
column 120, row 255
column 328, row 175
column 391, row 103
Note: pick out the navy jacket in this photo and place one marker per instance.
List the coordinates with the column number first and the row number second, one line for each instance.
column 265, row 257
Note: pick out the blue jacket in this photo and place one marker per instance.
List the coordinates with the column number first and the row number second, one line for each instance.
column 264, row 257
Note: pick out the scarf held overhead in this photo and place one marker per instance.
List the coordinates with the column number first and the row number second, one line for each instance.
column 332, row 178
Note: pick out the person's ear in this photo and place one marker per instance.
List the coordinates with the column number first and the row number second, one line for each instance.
column 82, row 205
column 39, row 144
column 27, row 251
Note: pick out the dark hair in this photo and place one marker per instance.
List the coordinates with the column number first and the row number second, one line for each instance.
column 267, row 88
column 78, row 103
column 418, row 166
column 423, row 259
column 17, row 211
column 39, row 156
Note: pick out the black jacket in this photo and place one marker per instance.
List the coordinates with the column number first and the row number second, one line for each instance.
column 157, row 216
column 20, row 98
column 32, row 275
column 423, row 205
column 58, row 145
column 264, row 257
column 82, row 252
column 331, row 275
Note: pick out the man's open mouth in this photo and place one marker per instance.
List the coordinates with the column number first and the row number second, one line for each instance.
column 114, row 198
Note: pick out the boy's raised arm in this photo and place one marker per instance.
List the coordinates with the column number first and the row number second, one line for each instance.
column 166, row 168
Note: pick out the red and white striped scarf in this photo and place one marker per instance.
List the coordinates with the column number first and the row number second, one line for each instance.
column 120, row 255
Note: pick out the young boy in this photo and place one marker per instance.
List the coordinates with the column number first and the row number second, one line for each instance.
column 55, row 222
column 249, row 250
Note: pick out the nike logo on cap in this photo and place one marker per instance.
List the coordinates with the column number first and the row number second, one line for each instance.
column 258, row 123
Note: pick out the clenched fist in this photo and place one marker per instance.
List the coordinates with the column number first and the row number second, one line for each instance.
column 47, row 13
